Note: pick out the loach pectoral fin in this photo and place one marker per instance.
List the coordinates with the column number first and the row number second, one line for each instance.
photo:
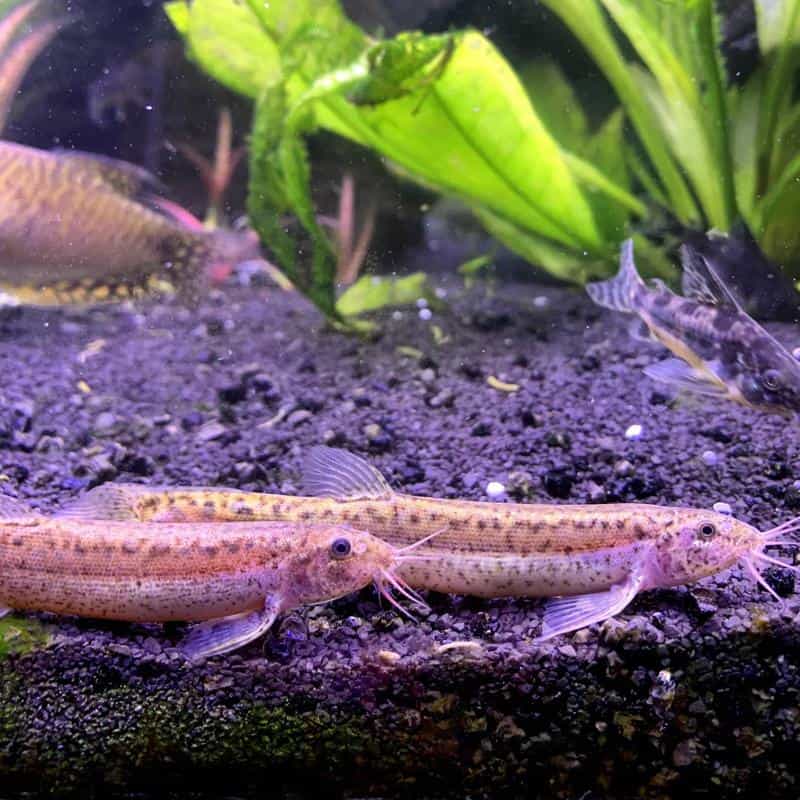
column 566, row 614
column 219, row 636
column 680, row 374
column 330, row 472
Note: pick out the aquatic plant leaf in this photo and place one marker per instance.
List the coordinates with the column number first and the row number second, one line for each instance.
column 372, row 292
column 556, row 103
column 586, row 21
column 678, row 43
column 606, row 151
column 226, row 39
column 280, row 182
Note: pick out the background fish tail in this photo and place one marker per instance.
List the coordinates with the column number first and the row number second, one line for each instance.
column 619, row 292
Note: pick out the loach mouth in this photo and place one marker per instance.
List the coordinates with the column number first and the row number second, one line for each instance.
column 387, row 580
column 774, row 537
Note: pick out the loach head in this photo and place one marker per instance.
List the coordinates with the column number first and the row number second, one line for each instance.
column 701, row 543
column 770, row 378
column 335, row 560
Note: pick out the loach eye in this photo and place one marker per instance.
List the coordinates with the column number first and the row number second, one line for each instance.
column 340, row 548
column 707, row 529
column 771, row 380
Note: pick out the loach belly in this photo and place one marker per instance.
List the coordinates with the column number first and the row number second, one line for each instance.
column 133, row 599
column 530, row 576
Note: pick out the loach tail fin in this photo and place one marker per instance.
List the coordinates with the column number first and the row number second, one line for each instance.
column 618, row 292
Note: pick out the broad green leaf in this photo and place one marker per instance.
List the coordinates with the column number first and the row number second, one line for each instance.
column 226, row 39
column 372, row 292
column 476, row 135
column 556, row 103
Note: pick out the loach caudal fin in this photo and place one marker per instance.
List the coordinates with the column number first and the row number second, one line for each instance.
column 330, row 472
column 219, row 636
column 565, row 614
column 618, row 292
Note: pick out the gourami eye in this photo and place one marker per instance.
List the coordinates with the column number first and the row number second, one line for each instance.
column 707, row 529
column 771, row 380
column 340, row 548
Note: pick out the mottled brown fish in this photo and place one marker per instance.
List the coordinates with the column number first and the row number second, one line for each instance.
column 78, row 228
column 721, row 351
column 72, row 231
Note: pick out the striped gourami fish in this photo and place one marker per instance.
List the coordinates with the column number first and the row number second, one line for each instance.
column 721, row 351
column 73, row 231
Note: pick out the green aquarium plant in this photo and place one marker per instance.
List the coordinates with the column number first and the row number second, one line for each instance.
column 445, row 110
column 717, row 153
column 448, row 111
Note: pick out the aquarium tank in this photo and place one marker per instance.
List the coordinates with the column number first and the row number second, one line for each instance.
column 399, row 399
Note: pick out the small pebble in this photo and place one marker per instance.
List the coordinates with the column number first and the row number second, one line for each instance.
column 710, row 458
column 211, row 431
column 722, row 508
column 425, row 314
column 495, row 490
column 633, row 431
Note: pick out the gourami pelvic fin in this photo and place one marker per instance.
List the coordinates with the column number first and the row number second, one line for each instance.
column 218, row 636
column 565, row 614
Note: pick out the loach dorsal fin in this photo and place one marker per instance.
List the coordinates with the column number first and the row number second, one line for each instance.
column 111, row 501
column 10, row 507
column 700, row 282
column 330, row 472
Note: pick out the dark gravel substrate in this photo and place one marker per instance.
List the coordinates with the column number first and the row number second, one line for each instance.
column 692, row 691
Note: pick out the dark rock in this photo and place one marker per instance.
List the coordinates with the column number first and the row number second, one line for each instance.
column 558, row 482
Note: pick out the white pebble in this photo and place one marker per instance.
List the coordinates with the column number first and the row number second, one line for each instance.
column 633, row 432
column 422, row 303
column 495, row 490
column 425, row 314
column 398, row 315
column 710, row 458
column 541, row 301
column 722, row 508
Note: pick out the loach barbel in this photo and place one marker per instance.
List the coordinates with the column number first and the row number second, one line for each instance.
column 233, row 580
column 721, row 351
column 593, row 559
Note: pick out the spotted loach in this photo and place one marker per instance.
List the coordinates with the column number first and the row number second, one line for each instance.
column 592, row 559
